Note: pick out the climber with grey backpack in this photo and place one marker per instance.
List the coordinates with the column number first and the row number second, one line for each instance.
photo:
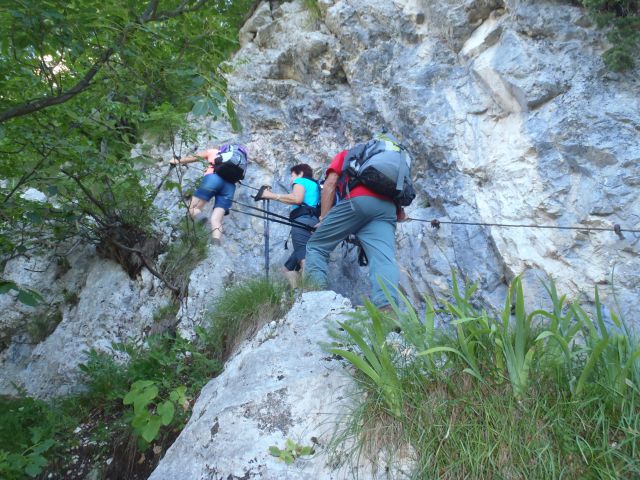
column 382, row 164
column 364, row 192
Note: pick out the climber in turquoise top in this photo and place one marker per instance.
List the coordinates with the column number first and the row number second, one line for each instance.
column 304, row 200
column 311, row 191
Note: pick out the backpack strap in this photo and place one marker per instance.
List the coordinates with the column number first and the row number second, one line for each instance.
column 404, row 169
column 348, row 181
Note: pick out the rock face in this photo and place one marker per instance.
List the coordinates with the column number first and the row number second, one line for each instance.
column 507, row 108
column 508, row 111
column 110, row 308
column 280, row 385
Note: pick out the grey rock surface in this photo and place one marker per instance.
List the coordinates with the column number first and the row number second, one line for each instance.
column 511, row 117
column 110, row 308
column 280, row 385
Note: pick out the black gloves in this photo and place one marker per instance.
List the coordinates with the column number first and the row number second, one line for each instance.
column 258, row 196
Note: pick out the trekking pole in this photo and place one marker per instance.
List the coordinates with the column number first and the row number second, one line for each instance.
column 249, row 186
column 266, row 238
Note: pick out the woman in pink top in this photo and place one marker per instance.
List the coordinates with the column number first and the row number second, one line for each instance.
column 212, row 185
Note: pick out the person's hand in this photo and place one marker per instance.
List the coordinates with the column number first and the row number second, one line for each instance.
column 174, row 161
column 258, row 196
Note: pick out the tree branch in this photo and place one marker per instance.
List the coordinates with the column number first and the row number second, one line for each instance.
column 181, row 10
column 150, row 15
column 86, row 191
column 41, row 103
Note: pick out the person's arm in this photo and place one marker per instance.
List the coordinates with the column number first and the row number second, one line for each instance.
column 328, row 194
column 401, row 215
column 294, row 198
column 206, row 155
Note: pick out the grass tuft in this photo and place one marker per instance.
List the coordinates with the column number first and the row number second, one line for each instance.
column 240, row 312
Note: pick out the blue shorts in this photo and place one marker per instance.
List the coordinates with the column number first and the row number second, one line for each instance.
column 214, row 186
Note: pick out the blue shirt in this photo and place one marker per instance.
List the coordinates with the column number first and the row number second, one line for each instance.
column 311, row 191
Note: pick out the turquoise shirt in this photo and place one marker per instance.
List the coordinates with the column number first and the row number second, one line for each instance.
column 311, row 191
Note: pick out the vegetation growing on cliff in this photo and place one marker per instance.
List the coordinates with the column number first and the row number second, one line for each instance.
column 622, row 19
column 137, row 400
column 542, row 394
column 82, row 82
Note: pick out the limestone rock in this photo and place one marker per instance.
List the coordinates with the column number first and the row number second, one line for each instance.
column 280, row 385
column 111, row 308
column 510, row 116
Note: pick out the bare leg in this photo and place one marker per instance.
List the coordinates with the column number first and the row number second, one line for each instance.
column 195, row 206
column 291, row 276
column 216, row 224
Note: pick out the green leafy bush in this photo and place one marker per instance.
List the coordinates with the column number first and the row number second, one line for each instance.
column 83, row 82
column 290, row 452
column 149, row 411
column 29, row 436
column 622, row 19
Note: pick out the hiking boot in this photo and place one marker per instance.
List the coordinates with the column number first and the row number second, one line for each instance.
column 216, row 242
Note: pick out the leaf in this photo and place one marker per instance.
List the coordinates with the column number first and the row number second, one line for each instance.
column 166, row 410
column 359, row 363
column 6, row 286
column 32, row 299
column 275, row 451
column 33, row 470
column 432, row 350
column 306, row 451
column 44, row 446
column 591, row 363
column 150, row 431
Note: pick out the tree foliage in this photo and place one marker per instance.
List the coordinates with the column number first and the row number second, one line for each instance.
column 81, row 82
column 622, row 18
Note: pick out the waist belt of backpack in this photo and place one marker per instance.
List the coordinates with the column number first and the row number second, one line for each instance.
column 302, row 210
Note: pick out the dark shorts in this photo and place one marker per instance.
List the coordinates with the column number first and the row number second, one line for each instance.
column 299, row 239
column 214, row 186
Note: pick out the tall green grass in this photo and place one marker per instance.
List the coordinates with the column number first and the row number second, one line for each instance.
column 240, row 312
column 512, row 394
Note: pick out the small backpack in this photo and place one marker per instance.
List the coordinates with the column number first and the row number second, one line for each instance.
column 382, row 165
column 231, row 162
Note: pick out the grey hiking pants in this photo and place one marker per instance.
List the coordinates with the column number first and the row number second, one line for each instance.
column 373, row 221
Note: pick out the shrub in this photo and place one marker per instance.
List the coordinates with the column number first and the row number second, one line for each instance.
column 622, row 18
column 29, row 436
column 185, row 253
column 43, row 324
